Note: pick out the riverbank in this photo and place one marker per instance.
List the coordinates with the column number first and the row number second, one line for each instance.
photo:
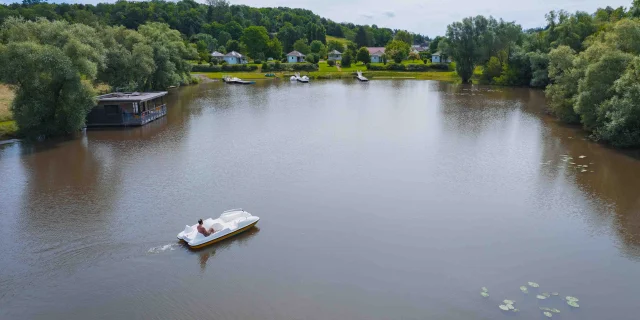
column 8, row 127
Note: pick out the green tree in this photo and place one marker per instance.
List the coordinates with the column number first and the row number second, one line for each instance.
column 129, row 59
column 318, row 48
column 363, row 37
column 414, row 56
column 301, row 46
column 170, row 56
column 256, row 39
column 233, row 45
column 274, row 49
column 223, row 37
column 464, row 44
column 346, row 60
column 352, row 48
column 234, row 29
column 564, row 76
column 363, row 55
column 48, row 63
column 397, row 50
column 288, row 36
column 335, row 45
column 404, row 36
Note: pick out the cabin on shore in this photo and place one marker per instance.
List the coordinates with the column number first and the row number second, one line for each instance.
column 295, row 56
column 335, row 55
column 376, row 53
column 127, row 109
column 217, row 56
column 438, row 58
column 235, row 58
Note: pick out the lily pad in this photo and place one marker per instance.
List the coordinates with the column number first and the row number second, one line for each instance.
column 510, row 306
column 484, row 294
column 541, row 297
column 548, row 314
column 573, row 304
column 508, row 302
column 524, row 289
column 533, row 284
column 503, row 307
column 554, row 293
column 546, row 294
column 484, row 289
column 570, row 298
column 516, row 310
column 545, row 309
column 554, row 310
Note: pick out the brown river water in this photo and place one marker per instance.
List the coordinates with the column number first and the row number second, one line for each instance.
column 381, row 200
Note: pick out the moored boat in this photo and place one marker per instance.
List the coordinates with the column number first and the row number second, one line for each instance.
column 229, row 224
column 236, row 80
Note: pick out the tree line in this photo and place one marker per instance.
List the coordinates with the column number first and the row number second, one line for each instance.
column 589, row 65
column 53, row 66
column 216, row 25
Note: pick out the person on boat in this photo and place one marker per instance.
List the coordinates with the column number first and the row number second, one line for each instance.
column 204, row 231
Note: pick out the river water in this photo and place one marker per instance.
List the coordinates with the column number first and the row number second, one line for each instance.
column 381, row 200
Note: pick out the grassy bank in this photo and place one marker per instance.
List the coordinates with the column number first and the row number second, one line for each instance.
column 7, row 125
column 327, row 72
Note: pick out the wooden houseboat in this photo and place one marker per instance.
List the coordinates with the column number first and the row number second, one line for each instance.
column 127, row 109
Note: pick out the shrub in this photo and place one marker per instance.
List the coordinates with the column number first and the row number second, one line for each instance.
column 417, row 67
column 265, row 67
column 257, row 61
column 346, row 60
column 276, row 65
column 223, row 62
column 440, row 66
column 205, row 68
column 283, row 60
column 239, row 67
column 214, row 62
column 331, row 63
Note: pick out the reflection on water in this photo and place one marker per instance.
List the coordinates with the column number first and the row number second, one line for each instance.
column 210, row 251
column 385, row 200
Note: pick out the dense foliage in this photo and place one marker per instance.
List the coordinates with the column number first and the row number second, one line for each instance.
column 218, row 20
column 588, row 64
column 53, row 66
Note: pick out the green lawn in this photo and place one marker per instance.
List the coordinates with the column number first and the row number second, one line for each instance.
column 341, row 40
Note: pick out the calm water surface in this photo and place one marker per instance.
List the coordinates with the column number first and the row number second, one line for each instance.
column 381, row 200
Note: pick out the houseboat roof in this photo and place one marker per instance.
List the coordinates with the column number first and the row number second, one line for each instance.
column 295, row 54
column 335, row 52
column 378, row 51
column 131, row 96
column 233, row 54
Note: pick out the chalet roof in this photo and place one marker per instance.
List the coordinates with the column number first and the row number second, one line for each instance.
column 233, row 54
column 376, row 51
column 335, row 52
column 295, row 54
column 131, row 96
column 217, row 54
column 437, row 54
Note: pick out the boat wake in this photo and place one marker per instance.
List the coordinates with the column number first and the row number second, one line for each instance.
column 166, row 247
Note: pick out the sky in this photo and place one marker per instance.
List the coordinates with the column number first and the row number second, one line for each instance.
column 428, row 17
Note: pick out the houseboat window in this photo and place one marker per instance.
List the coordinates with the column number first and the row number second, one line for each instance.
column 112, row 109
column 135, row 107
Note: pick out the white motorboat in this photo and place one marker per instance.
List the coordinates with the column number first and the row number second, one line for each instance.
column 361, row 77
column 229, row 224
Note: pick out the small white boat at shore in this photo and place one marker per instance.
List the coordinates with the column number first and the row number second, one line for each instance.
column 360, row 77
column 297, row 77
column 229, row 224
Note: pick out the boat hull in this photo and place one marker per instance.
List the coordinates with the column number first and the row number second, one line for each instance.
column 229, row 235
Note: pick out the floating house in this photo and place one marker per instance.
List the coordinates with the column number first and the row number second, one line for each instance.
column 437, row 58
column 376, row 54
column 217, row 56
column 127, row 109
column 295, row 56
column 335, row 55
column 235, row 58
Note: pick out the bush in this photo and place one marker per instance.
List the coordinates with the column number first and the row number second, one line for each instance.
column 283, row 60
column 331, row 63
column 223, row 62
column 417, row 67
column 440, row 66
column 205, row 68
column 346, row 60
column 257, row 61
column 313, row 58
column 239, row 67
column 276, row 65
column 265, row 67
column 214, row 62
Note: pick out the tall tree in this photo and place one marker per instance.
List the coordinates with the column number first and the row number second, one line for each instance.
column 404, row 36
column 363, row 37
column 363, row 55
column 256, row 40
column 335, row 45
column 397, row 50
column 301, row 46
column 463, row 40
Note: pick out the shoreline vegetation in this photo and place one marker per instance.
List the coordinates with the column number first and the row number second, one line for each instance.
column 587, row 63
